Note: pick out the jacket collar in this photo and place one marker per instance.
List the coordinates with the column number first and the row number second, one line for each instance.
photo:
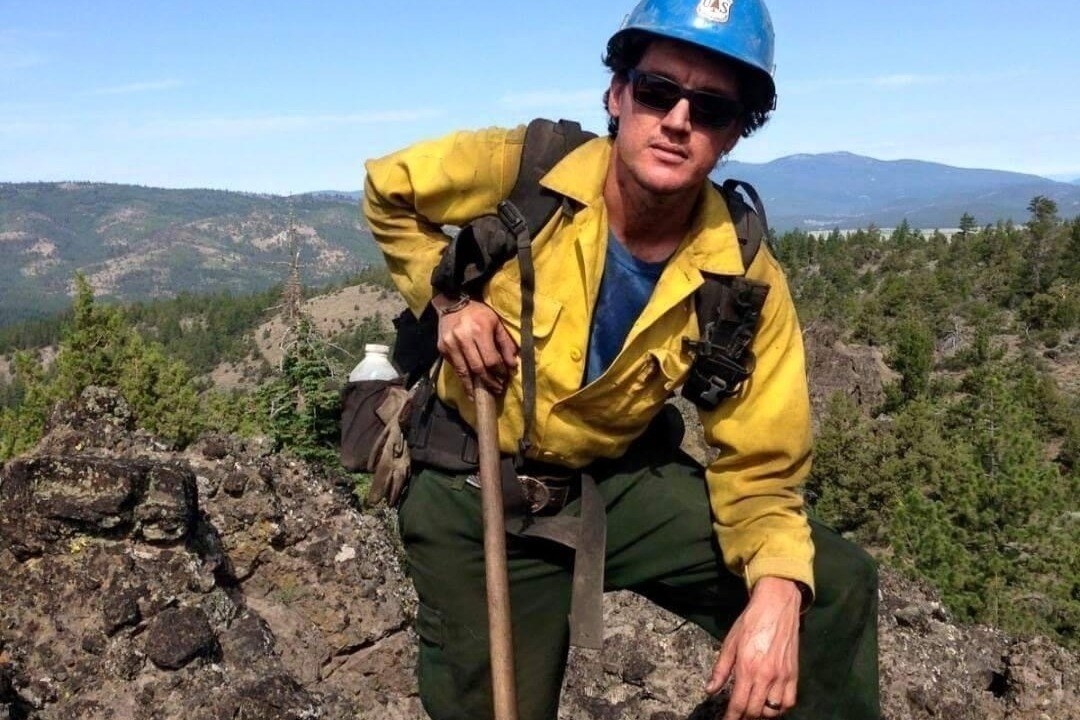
column 711, row 245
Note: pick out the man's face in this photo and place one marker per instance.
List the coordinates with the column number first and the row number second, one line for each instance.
column 666, row 152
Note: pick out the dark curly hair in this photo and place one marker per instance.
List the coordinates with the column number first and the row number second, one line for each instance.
column 756, row 92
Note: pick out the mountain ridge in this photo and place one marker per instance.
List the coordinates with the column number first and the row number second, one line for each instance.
column 842, row 189
column 136, row 242
column 813, row 191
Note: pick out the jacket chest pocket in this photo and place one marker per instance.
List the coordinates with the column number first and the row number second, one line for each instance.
column 638, row 391
column 504, row 297
column 659, row 370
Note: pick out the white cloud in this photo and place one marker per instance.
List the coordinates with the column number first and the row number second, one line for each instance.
column 16, row 60
column 898, row 81
column 906, row 80
column 244, row 126
column 572, row 99
column 138, row 87
column 28, row 127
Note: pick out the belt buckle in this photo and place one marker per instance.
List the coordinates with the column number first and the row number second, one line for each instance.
column 537, row 494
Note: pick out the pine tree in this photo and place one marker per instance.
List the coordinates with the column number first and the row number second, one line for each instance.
column 967, row 225
column 302, row 404
column 845, row 485
column 913, row 358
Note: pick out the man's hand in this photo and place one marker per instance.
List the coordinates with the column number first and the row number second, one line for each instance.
column 475, row 343
column 762, row 650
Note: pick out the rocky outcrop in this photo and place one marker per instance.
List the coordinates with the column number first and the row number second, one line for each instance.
column 222, row 582
column 859, row 371
column 228, row 582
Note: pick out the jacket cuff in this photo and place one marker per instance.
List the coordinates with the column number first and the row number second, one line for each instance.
column 799, row 570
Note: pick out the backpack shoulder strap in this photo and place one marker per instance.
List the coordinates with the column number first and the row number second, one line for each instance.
column 528, row 209
column 546, row 143
column 751, row 224
column 728, row 308
column 488, row 241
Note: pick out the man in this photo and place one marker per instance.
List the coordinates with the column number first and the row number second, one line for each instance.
column 615, row 277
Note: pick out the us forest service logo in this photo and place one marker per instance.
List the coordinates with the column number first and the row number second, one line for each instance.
column 715, row 10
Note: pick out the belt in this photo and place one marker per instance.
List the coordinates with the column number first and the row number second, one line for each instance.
column 544, row 494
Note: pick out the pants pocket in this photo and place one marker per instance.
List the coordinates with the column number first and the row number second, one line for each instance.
column 452, row 671
column 429, row 626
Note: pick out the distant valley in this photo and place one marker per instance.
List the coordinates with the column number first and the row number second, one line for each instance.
column 135, row 242
column 813, row 192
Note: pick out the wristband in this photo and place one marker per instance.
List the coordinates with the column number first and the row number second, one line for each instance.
column 455, row 306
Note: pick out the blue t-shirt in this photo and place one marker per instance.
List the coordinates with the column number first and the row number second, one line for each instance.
column 624, row 291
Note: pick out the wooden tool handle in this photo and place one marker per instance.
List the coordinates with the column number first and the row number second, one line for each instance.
column 495, row 567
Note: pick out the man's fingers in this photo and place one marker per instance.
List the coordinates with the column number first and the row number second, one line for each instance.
column 506, row 345
column 461, row 368
column 476, row 344
column 491, row 356
column 790, row 694
column 476, row 365
column 755, row 704
column 721, row 669
column 739, row 701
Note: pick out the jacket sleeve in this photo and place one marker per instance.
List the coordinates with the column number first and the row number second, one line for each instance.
column 410, row 195
column 764, row 438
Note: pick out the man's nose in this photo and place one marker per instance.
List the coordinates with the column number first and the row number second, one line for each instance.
column 678, row 117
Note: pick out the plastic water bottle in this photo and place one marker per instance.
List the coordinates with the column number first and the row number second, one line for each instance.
column 375, row 365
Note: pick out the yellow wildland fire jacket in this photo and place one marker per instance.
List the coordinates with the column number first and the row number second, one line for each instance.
column 763, row 433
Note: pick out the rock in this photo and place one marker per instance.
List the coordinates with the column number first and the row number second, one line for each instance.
column 177, row 636
column 94, row 643
column 168, row 508
column 276, row 698
column 45, row 499
column 832, row 366
column 275, row 598
column 214, row 448
column 235, row 483
column 913, row 616
column 119, row 608
column 90, row 492
column 122, row 662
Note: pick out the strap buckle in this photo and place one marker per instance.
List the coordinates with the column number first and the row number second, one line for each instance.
column 512, row 218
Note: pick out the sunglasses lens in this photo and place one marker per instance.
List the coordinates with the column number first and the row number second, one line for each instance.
column 706, row 108
column 714, row 110
column 656, row 92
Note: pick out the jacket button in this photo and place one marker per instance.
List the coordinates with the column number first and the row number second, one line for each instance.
column 575, row 355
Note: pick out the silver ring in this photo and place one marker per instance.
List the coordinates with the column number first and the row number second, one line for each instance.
column 773, row 705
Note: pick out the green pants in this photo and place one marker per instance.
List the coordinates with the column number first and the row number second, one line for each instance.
column 660, row 544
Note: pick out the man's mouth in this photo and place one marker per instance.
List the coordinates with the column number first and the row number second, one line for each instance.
column 674, row 152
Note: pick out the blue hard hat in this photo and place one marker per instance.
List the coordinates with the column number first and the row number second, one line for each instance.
column 738, row 29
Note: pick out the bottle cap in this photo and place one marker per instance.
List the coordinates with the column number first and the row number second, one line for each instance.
column 376, row 348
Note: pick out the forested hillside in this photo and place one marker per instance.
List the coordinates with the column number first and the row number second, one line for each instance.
column 137, row 243
column 966, row 474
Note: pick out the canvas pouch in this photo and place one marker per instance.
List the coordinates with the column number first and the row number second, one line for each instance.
column 373, row 436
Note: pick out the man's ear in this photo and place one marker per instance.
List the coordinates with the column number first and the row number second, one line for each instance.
column 734, row 135
column 614, row 98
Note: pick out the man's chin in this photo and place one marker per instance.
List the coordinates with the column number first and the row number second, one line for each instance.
column 669, row 184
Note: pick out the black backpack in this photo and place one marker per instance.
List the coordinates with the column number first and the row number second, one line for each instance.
column 727, row 307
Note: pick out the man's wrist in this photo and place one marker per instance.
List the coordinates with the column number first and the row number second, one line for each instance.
column 446, row 305
column 806, row 595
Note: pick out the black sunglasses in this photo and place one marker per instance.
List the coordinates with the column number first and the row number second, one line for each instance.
column 706, row 108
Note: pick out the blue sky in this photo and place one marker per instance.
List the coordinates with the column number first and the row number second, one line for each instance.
column 289, row 97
